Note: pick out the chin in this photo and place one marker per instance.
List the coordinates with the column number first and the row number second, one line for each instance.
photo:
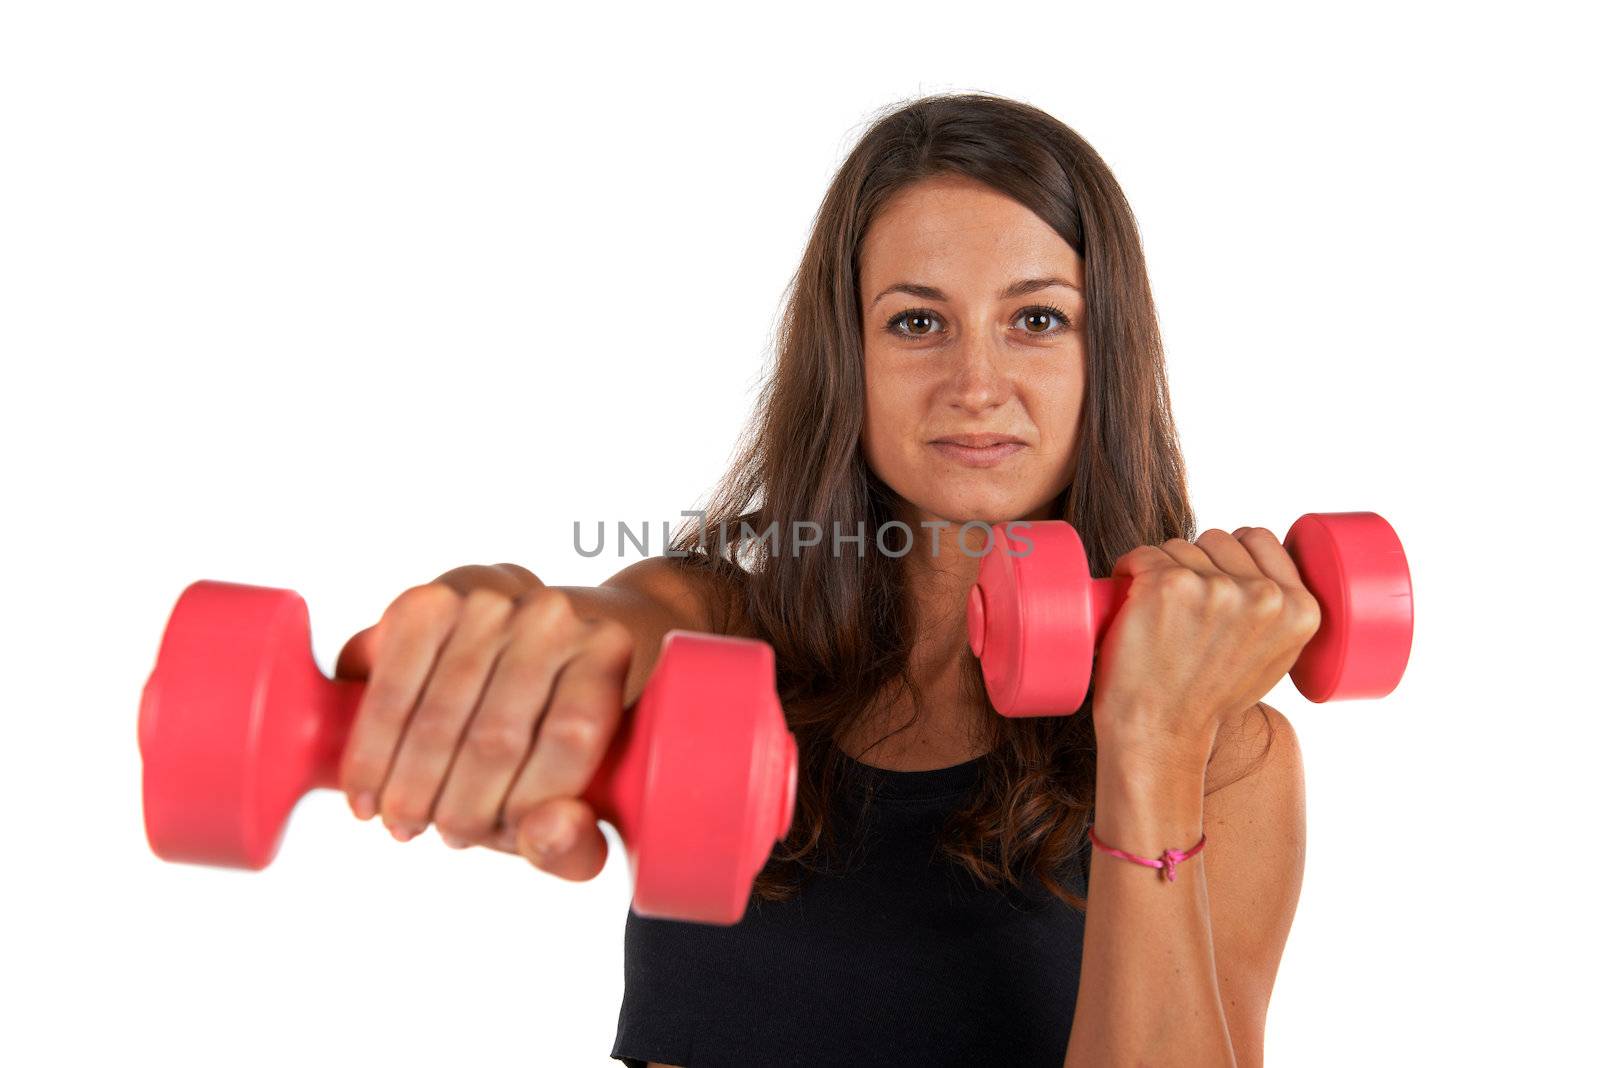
column 972, row 508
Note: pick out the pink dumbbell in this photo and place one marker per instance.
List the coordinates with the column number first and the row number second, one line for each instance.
column 237, row 723
column 1035, row 620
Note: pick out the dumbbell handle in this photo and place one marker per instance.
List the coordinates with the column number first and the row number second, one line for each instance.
column 1106, row 597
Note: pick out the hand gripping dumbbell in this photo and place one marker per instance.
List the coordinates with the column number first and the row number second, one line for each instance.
column 237, row 723
column 1035, row 617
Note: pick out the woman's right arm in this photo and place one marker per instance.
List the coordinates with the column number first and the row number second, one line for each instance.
column 650, row 598
column 492, row 698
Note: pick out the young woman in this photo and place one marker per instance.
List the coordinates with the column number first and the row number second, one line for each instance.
column 970, row 336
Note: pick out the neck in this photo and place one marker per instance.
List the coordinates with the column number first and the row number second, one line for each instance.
column 938, row 583
column 946, row 730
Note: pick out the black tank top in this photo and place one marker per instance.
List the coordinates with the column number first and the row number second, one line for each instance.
column 898, row 959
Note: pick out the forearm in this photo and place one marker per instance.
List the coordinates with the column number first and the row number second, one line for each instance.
column 1148, row 991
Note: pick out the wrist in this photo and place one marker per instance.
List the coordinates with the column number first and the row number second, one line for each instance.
column 1133, row 754
column 1150, row 800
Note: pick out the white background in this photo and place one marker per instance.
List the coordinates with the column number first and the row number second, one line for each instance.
column 338, row 296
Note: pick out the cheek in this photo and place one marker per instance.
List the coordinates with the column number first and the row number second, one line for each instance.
column 890, row 419
column 1058, row 408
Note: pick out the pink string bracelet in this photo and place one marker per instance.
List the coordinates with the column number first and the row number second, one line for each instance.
column 1168, row 861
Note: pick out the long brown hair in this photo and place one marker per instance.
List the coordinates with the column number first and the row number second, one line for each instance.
column 840, row 623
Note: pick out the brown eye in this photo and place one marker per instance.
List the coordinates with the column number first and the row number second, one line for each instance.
column 922, row 317
column 1042, row 315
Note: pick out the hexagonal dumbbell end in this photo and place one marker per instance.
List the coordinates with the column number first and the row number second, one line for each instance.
column 236, row 724
column 1035, row 616
column 700, row 781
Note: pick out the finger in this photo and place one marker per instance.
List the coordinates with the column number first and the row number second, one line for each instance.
column 526, row 579
column 544, row 635
column 405, row 645
column 355, row 659
column 1270, row 556
column 1186, row 554
column 1141, row 560
column 1228, row 554
column 1276, row 563
column 584, row 711
column 494, row 577
column 429, row 742
column 562, row 837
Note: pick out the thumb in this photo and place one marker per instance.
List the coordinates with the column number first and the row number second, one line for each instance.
column 562, row 837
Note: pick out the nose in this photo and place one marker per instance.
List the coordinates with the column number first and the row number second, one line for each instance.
column 978, row 381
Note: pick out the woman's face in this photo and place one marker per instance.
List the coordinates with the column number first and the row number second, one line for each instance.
column 972, row 332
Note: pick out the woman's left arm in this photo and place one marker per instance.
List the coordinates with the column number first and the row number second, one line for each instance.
column 1255, row 820
column 1180, row 972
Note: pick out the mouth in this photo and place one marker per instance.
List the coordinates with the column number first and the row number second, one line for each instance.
column 978, row 450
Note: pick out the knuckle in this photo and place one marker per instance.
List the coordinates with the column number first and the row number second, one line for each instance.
column 404, row 808
column 459, row 825
column 1308, row 615
column 544, row 611
column 433, row 729
column 1223, row 591
column 486, row 603
column 573, row 733
column 1179, row 582
column 509, row 830
column 388, row 704
column 463, row 671
column 611, row 636
column 512, row 816
column 360, row 772
column 450, row 827
column 430, row 600
column 497, row 742
column 1264, row 598
column 1139, row 552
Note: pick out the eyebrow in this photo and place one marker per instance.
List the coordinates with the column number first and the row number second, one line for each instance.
column 1015, row 289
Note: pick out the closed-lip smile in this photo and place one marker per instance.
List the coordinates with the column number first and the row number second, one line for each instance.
column 978, row 450
column 978, row 441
